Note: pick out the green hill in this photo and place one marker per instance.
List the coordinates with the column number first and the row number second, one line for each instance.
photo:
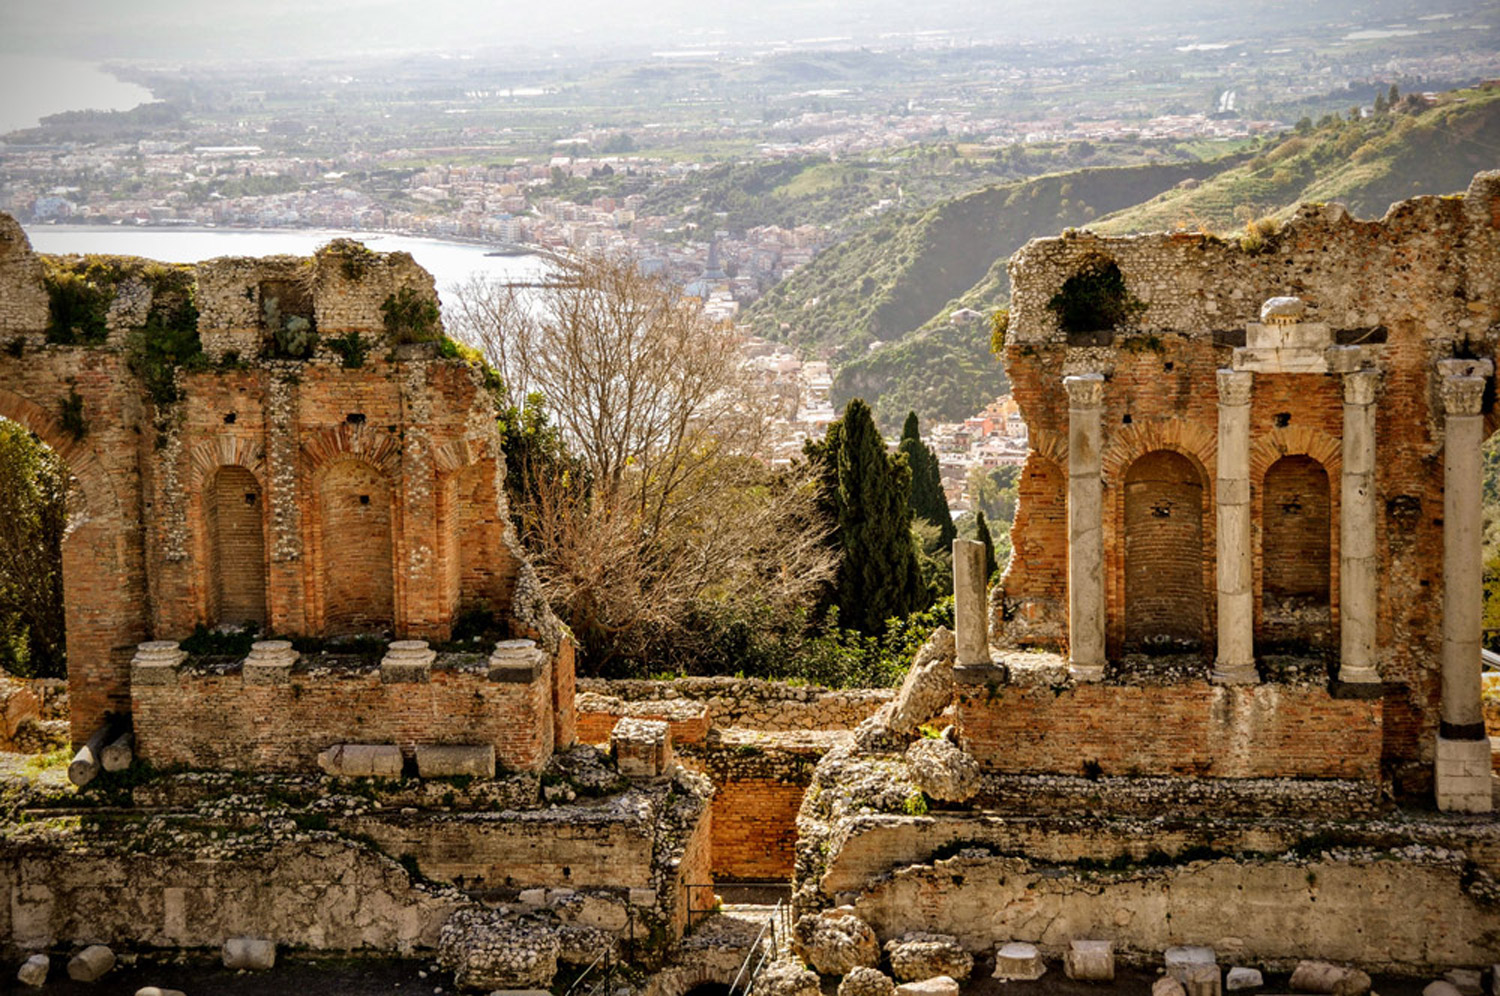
column 895, row 276
column 945, row 373
column 1366, row 164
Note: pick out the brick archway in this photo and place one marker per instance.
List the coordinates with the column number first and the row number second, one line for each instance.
column 104, row 598
column 206, row 463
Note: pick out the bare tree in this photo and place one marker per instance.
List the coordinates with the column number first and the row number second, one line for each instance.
column 670, row 509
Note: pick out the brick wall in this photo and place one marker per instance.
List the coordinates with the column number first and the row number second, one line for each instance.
column 1296, row 531
column 1415, row 286
column 353, row 530
column 1214, row 731
column 1164, row 512
column 753, row 703
column 213, row 719
column 759, row 781
column 239, row 548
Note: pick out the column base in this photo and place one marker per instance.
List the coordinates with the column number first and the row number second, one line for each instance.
column 1225, row 673
column 1085, row 672
column 1463, row 776
column 1361, row 675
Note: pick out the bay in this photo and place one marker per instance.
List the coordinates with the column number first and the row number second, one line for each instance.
column 35, row 86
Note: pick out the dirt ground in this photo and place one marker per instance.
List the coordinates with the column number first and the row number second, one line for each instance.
column 342, row 977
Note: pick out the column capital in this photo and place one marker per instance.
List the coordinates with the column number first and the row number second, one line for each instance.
column 1462, row 395
column 1234, row 386
column 1360, row 387
column 1085, row 390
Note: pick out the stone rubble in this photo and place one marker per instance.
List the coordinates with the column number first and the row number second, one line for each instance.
column 919, row 955
column 485, row 949
column 928, row 688
column 1440, row 988
column 1325, row 977
column 938, row 985
column 835, row 942
column 942, row 770
column 786, row 978
column 1465, row 980
column 1240, row 978
column 33, row 971
column 1178, row 959
column 865, row 981
column 1167, row 986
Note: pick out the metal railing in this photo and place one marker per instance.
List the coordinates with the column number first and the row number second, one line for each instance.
column 773, row 939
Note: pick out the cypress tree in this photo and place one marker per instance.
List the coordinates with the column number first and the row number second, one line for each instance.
column 927, row 497
column 983, row 535
column 866, row 491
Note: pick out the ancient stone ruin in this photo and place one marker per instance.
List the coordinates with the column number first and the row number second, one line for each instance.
column 1201, row 722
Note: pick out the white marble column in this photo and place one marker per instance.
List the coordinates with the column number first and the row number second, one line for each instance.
column 1358, row 567
column 1463, row 750
column 1235, row 663
column 970, row 608
column 1085, row 527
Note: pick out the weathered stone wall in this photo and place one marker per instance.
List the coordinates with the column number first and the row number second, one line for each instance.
column 404, row 443
column 1420, row 285
column 1409, row 912
column 19, row 704
column 1197, row 729
column 321, row 895
column 753, row 703
column 213, row 718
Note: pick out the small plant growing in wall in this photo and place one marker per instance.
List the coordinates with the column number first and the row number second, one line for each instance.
column 999, row 329
column 915, row 804
column 1260, row 235
column 410, row 317
column 70, row 415
column 351, row 348
column 354, row 257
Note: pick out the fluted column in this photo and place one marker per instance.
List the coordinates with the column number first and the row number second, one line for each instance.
column 1236, row 658
column 1085, row 527
column 1358, row 567
column 1463, row 750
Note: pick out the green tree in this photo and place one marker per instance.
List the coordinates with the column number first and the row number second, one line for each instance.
column 33, row 516
column 927, row 498
column 865, row 493
column 991, row 566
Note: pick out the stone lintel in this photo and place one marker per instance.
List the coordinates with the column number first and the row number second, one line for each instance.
column 991, row 673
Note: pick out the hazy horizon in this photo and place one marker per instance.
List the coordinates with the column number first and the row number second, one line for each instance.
column 190, row 30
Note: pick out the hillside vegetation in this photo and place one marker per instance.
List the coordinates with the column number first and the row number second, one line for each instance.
column 893, row 277
column 1365, row 164
column 879, row 303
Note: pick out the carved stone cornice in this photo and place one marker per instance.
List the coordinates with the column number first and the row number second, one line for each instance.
column 1360, row 387
column 1085, row 390
column 1462, row 395
column 1234, row 386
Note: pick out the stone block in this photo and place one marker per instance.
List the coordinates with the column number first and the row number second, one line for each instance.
column 1324, row 977
column 1178, row 959
column 590, row 909
column 407, row 662
column 270, row 663
column 1495, row 980
column 643, row 897
column 1018, row 960
column 517, row 662
column 1465, row 980
column 1090, row 961
column 534, row 897
column 91, row 964
column 942, row 770
column 448, row 761
column 1167, row 986
column 254, row 954
column 1239, row 979
column 938, row 985
column 362, row 760
column 1202, row 980
column 642, row 748
column 1441, row 988
column 33, row 971
column 158, row 991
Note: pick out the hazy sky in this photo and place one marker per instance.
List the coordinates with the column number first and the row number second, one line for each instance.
column 210, row 29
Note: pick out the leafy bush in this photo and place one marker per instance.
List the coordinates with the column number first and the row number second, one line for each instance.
column 351, row 348
column 411, row 317
column 1095, row 298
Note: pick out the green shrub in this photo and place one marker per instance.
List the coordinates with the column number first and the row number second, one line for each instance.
column 351, row 348
column 1095, row 299
column 411, row 317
